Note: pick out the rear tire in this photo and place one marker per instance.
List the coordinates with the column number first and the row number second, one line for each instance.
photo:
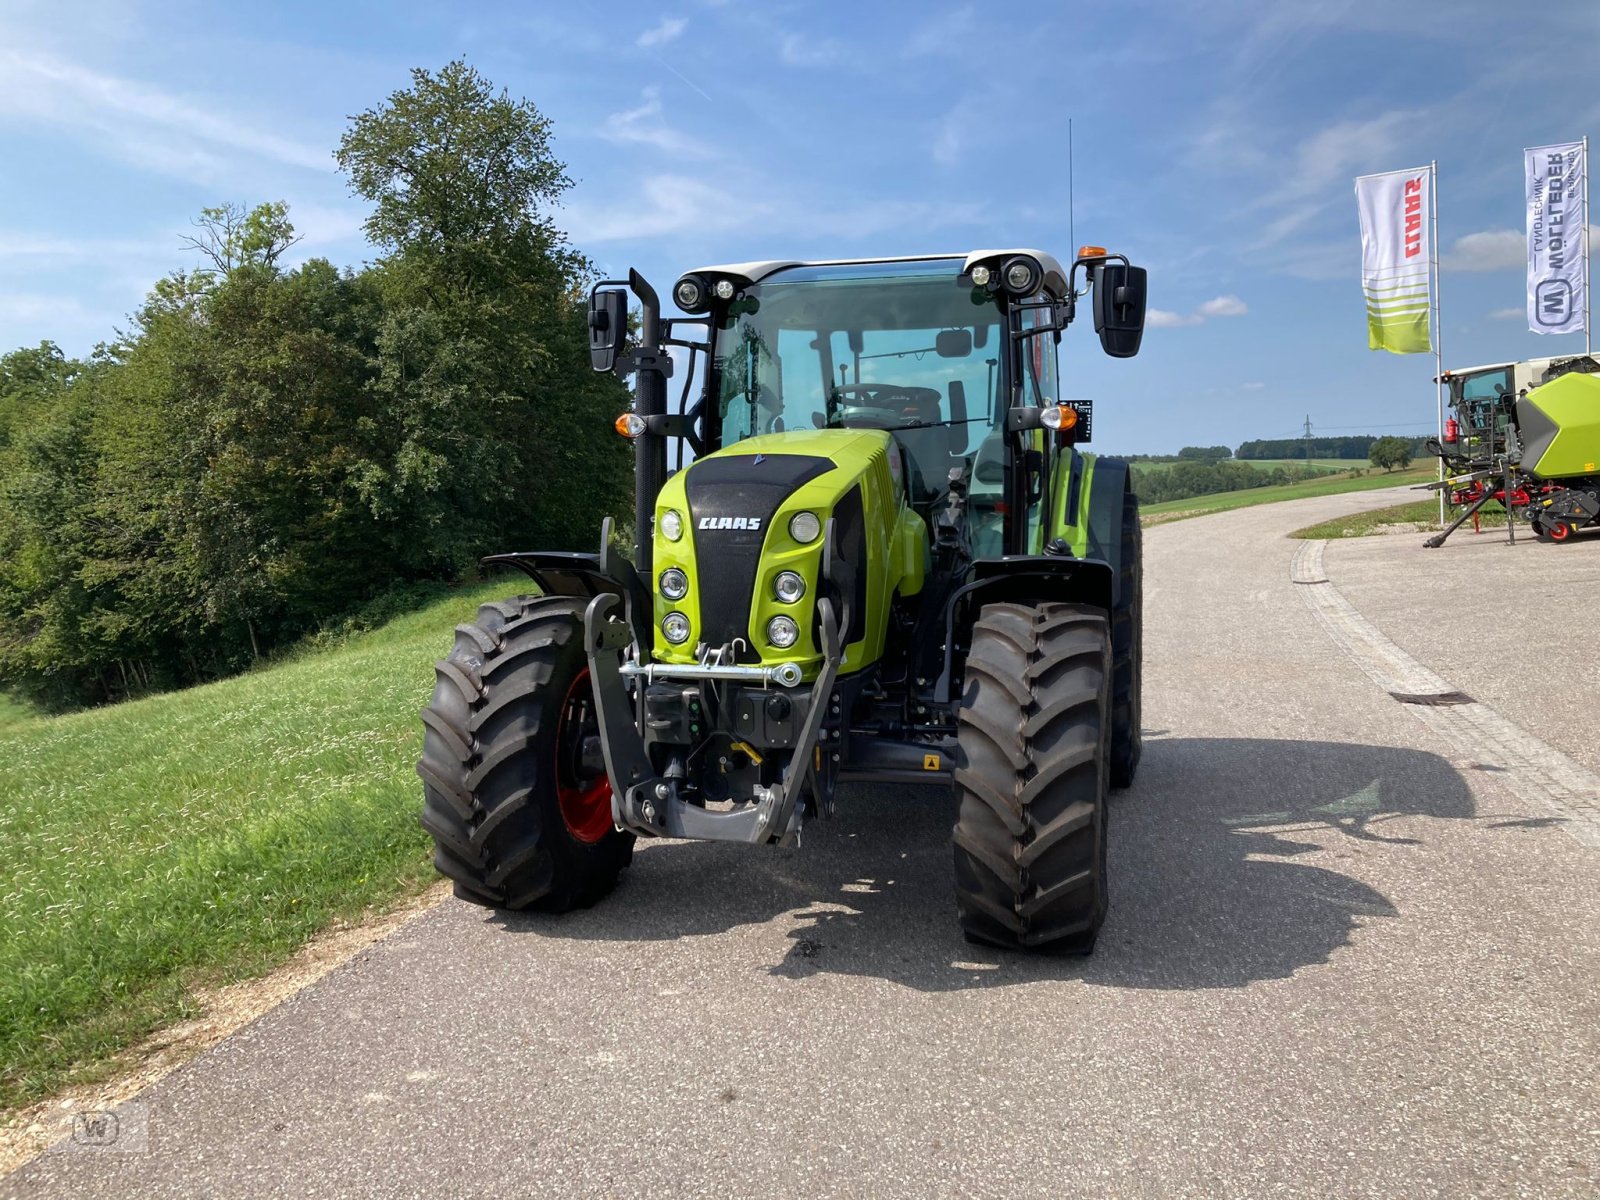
column 1034, row 731
column 1127, row 650
column 515, row 815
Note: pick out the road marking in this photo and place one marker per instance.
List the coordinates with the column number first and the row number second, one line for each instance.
column 1536, row 771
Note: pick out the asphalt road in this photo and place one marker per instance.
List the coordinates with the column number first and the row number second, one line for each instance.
column 1346, row 956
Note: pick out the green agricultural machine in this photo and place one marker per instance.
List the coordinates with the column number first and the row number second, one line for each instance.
column 1529, row 431
column 887, row 561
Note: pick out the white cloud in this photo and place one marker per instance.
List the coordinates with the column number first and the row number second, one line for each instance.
column 1160, row 318
column 1223, row 306
column 800, row 51
column 669, row 29
column 646, row 126
column 1508, row 314
column 140, row 123
column 1496, row 250
column 1219, row 306
column 665, row 204
column 1252, row 386
column 1491, row 250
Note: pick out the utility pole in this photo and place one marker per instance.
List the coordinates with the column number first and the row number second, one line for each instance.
column 1308, row 439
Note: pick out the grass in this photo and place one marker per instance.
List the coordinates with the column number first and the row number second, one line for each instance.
column 14, row 711
column 1196, row 506
column 200, row 837
column 1266, row 464
column 1418, row 516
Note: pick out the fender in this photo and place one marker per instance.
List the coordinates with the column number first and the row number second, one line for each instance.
column 1027, row 579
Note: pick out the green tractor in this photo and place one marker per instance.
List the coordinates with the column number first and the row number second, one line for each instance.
column 886, row 562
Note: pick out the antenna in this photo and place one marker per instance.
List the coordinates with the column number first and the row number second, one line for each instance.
column 1072, row 229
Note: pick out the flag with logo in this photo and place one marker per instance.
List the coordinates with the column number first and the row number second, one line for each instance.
column 1397, row 259
column 1558, row 250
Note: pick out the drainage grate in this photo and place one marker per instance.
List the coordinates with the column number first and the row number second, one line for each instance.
column 1433, row 699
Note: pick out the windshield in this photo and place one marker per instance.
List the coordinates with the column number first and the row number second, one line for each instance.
column 876, row 345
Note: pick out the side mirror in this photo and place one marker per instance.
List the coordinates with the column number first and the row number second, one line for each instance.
column 1119, row 296
column 608, row 325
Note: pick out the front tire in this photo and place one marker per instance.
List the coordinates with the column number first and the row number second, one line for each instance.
column 1034, row 731
column 1127, row 650
column 519, row 812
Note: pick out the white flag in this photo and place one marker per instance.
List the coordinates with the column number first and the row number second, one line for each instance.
column 1396, row 259
column 1558, row 251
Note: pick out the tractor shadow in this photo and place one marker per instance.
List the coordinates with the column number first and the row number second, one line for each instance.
column 1211, row 880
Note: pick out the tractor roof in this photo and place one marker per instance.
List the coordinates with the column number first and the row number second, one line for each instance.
column 1055, row 279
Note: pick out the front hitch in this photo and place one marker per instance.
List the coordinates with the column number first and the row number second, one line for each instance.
column 648, row 803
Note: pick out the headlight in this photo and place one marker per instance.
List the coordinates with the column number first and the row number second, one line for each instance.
column 788, row 587
column 674, row 584
column 671, row 525
column 724, row 289
column 676, row 627
column 782, row 632
column 980, row 275
column 805, row 527
column 1022, row 276
column 690, row 293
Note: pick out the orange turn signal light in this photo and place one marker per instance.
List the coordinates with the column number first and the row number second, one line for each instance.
column 1091, row 252
column 629, row 425
column 1058, row 417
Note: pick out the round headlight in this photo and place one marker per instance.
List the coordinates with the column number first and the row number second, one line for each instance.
column 788, row 587
column 689, row 294
column 671, row 525
column 1021, row 276
column 981, row 276
column 724, row 289
column 676, row 627
column 782, row 632
column 805, row 527
column 674, row 584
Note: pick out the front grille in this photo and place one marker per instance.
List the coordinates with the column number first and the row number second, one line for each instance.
column 751, row 486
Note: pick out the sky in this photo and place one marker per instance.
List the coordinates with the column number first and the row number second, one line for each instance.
column 1215, row 144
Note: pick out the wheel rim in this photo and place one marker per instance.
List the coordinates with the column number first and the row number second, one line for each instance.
column 585, row 799
column 1560, row 531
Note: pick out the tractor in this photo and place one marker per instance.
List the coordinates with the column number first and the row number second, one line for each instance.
column 881, row 558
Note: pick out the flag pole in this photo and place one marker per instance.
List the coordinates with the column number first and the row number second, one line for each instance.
column 1438, row 331
column 1588, row 270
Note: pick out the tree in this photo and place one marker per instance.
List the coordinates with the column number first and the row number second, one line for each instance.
column 1390, row 452
column 232, row 239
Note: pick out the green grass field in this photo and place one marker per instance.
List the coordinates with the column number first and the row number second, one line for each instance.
column 13, row 711
column 1195, row 506
column 1265, row 464
column 201, row 836
column 1418, row 516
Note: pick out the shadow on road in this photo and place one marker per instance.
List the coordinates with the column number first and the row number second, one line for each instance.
column 1208, row 890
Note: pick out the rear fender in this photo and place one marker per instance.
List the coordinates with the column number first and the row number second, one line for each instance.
column 1019, row 579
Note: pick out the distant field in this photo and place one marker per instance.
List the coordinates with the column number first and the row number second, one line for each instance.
column 1265, row 464
column 202, row 836
column 1176, row 510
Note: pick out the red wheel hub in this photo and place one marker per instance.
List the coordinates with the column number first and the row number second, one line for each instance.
column 1560, row 531
column 584, row 797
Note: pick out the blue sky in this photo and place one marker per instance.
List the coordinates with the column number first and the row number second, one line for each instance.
column 1215, row 144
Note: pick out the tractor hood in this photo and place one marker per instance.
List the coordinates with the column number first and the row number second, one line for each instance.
column 735, row 515
column 1559, row 424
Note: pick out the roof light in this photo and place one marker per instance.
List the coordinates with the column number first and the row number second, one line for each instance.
column 1089, row 253
column 724, row 289
column 980, row 275
column 1021, row 276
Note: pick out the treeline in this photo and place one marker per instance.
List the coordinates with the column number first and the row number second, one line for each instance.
column 1317, row 447
column 268, row 448
column 1184, row 480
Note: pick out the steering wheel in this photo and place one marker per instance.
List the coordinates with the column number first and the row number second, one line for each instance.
column 887, row 405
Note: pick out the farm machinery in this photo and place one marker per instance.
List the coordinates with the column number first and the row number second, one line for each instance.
column 1525, row 435
column 889, row 561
